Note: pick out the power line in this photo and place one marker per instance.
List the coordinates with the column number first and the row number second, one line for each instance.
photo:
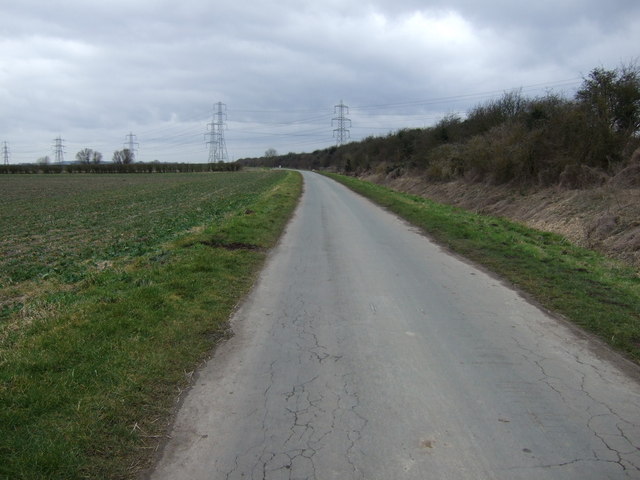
column 250, row 126
column 216, row 142
column 342, row 132
column 468, row 96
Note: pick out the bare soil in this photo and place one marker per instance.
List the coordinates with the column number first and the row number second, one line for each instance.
column 605, row 218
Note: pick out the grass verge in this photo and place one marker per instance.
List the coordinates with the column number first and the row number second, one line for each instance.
column 598, row 294
column 87, row 388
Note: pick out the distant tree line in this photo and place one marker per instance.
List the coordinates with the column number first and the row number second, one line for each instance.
column 138, row 167
column 123, row 161
column 544, row 140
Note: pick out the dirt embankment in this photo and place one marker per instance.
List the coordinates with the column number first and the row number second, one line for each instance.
column 604, row 218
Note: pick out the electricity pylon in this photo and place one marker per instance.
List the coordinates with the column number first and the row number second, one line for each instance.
column 342, row 132
column 131, row 145
column 58, row 150
column 217, row 145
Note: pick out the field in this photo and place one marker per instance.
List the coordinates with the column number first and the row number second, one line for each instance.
column 64, row 225
column 112, row 289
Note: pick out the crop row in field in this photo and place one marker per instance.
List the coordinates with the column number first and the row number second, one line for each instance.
column 62, row 227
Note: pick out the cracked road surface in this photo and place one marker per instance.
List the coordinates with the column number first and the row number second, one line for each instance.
column 367, row 352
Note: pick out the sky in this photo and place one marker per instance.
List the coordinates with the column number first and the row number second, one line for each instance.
column 91, row 73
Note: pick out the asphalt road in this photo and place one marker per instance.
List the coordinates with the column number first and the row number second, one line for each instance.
column 367, row 352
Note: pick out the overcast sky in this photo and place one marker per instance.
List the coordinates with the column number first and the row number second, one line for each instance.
column 92, row 72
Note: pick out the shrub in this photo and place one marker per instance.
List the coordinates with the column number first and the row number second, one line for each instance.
column 445, row 163
column 493, row 113
column 544, row 140
column 610, row 100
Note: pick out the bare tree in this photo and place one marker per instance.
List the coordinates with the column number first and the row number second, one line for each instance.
column 87, row 156
column 610, row 100
column 84, row 155
column 123, row 157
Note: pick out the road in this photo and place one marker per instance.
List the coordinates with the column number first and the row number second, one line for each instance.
column 367, row 352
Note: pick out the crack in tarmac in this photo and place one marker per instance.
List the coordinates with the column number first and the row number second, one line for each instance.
column 568, row 396
column 305, row 439
column 317, row 414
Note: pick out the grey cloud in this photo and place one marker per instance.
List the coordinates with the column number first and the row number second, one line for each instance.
column 93, row 71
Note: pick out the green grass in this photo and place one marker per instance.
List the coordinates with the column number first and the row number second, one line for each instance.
column 598, row 294
column 60, row 225
column 92, row 361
